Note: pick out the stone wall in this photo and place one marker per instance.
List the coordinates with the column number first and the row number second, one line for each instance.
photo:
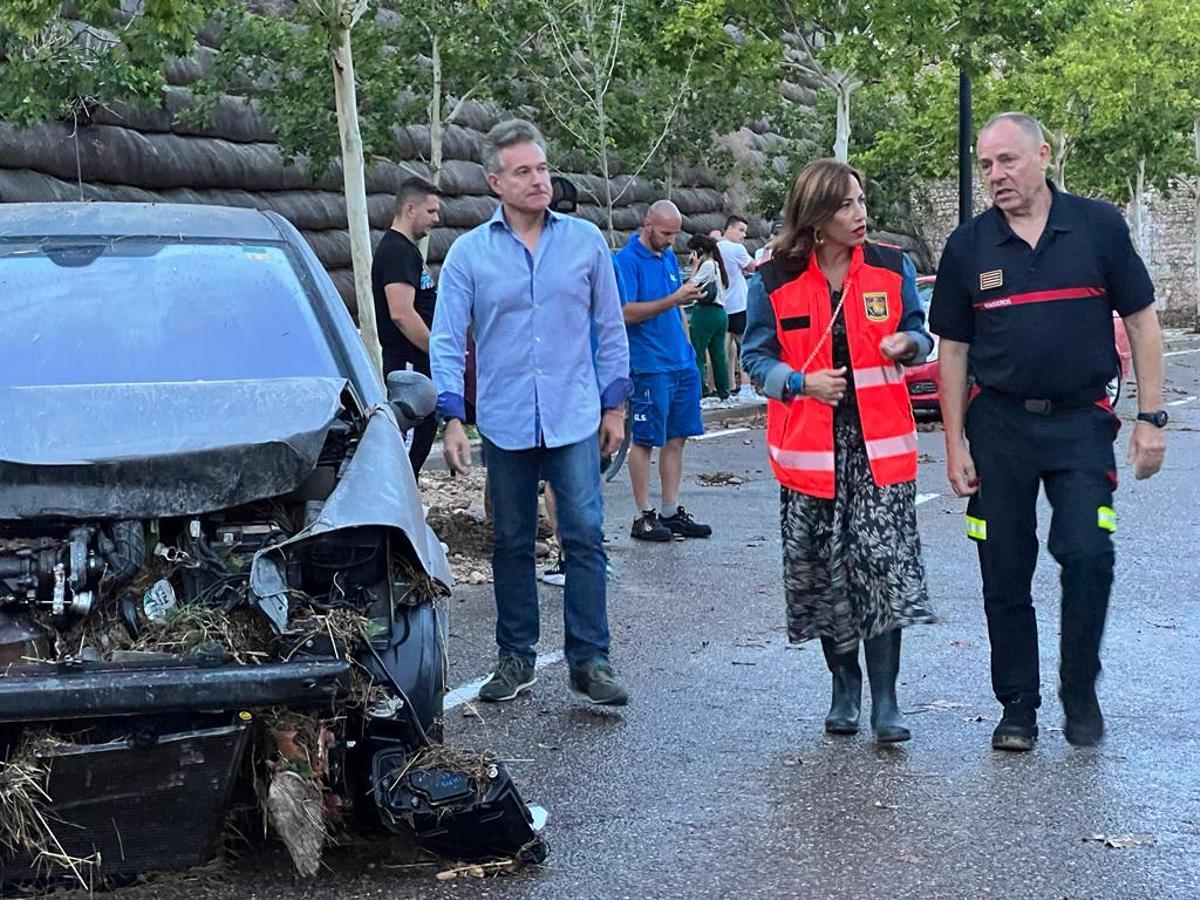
column 1167, row 242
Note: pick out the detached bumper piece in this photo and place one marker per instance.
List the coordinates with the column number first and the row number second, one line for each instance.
column 119, row 804
column 98, row 689
column 453, row 812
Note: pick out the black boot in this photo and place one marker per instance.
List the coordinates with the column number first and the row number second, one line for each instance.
column 883, row 665
column 847, row 689
column 1085, row 723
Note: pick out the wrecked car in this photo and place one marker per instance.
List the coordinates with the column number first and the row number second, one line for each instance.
column 218, row 592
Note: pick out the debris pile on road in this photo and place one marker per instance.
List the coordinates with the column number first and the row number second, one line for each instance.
column 459, row 517
column 716, row 479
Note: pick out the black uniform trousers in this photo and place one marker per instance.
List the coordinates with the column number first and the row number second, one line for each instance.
column 425, row 431
column 1070, row 452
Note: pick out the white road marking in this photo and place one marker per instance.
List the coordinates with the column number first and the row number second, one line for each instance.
column 925, row 498
column 1182, row 352
column 717, row 434
column 1181, row 402
column 467, row 692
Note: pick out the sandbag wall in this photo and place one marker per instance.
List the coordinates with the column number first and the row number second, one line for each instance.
column 153, row 156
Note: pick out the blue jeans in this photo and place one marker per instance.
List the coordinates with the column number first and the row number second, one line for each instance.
column 573, row 472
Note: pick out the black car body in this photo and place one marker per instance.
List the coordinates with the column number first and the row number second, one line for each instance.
column 208, row 525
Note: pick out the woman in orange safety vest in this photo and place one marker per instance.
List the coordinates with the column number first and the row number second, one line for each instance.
column 828, row 328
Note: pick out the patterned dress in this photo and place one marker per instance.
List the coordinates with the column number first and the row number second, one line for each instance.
column 852, row 565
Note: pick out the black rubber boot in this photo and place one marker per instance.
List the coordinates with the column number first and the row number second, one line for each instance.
column 847, row 689
column 883, row 665
column 1085, row 723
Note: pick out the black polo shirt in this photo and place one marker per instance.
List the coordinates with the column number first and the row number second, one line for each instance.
column 1039, row 320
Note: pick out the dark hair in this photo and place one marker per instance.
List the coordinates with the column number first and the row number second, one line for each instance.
column 734, row 219
column 816, row 194
column 706, row 246
column 564, row 196
column 414, row 190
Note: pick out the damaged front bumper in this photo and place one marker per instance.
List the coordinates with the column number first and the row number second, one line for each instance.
column 81, row 690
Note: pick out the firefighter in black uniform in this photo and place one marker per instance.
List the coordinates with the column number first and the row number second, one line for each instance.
column 1024, row 305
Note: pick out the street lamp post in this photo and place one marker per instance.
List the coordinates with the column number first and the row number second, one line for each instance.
column 965, row 193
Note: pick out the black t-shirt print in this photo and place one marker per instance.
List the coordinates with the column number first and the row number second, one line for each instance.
column 398, row 261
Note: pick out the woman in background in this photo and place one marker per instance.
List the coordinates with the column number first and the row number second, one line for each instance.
column 708, row 320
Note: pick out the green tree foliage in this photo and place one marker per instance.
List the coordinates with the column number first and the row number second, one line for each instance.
column 284, row 66
column 53, row 67
column 640, row 85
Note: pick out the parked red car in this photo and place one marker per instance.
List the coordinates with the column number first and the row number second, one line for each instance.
column 923, row 379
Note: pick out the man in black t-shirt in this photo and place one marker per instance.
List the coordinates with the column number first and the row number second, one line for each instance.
column 405, row 296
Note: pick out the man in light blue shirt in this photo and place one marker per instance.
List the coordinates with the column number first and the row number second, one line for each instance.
column 552, row 377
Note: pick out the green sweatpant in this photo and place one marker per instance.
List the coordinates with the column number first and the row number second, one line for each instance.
column 708, row 326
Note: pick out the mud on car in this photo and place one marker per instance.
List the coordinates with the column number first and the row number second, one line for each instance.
column 218, row 592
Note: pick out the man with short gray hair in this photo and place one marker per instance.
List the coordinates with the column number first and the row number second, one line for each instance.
column 1024, row 304
column 552, row 376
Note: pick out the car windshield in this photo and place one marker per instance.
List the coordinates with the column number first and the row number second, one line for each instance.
column 142, row 310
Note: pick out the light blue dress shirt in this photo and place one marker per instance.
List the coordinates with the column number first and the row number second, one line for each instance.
column 550, row 343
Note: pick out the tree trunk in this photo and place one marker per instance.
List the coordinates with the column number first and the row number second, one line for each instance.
column 1139, row 210
column 355, row 182
column 436, row 128
column 1062, row 149
column 841, row 142
column 602, row 134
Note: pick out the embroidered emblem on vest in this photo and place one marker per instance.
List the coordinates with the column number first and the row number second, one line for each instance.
column 877, row 305
column 990, row 280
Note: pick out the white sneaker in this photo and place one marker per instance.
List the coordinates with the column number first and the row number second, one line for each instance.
column 728, row 403
column 747, row 394
column 554, row 575
column 710, row 402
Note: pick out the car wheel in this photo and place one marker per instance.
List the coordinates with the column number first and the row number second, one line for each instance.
column 1113, row 391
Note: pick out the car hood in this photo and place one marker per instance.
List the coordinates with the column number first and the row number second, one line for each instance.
column 143, row 451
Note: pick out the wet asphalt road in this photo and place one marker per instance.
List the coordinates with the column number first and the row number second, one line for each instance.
column 717, row 780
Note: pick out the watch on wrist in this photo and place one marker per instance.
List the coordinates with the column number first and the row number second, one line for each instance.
column 1158, row 418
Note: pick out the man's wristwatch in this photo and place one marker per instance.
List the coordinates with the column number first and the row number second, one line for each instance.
column 1158, row 419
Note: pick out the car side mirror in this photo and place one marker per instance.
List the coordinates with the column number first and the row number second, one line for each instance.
column 412, row 396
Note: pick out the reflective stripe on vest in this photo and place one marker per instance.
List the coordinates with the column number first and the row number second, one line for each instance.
column 882, row 448
column 877, row 376
column 807, row 460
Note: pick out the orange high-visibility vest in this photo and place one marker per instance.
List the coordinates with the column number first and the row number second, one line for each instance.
column 800, row 431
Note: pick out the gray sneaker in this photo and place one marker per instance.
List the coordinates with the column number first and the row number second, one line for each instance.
column 512, row 676
column 595, row 682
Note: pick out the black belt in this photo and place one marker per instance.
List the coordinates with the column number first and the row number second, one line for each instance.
column 1045, row 406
